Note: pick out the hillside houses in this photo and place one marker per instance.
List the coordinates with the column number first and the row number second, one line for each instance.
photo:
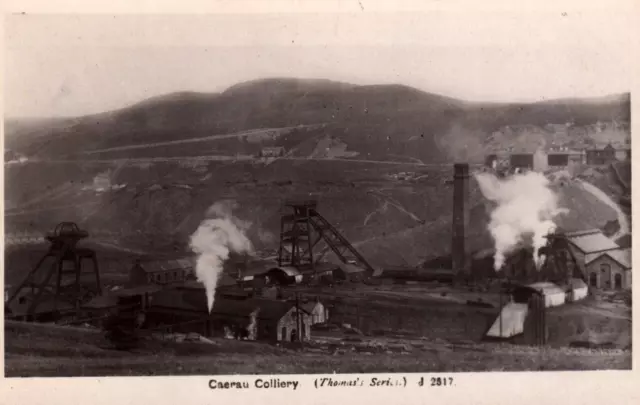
column 602, row 156
column 559, row 145
column 564, row 156
column 558, row 157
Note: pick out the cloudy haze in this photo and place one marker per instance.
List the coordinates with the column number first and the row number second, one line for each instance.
column 76, row 65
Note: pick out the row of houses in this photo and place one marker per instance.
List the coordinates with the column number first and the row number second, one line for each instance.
column 541, row 159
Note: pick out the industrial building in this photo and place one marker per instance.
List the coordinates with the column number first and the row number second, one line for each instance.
column 610, row 270
column 564, row 156
column 521, row 161
column 161, row 272
column 177, row 310
column 319, row 313
column 602, row 156
column 605, row 264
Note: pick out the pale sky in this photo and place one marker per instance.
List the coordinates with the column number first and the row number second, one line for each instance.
column 74, row 65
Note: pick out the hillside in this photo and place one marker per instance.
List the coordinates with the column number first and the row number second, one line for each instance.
column 393, row 222
column 377, row 158
column 378, row 122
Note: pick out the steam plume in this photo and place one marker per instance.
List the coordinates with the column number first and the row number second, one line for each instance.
column 216, row 237
column 526, row 207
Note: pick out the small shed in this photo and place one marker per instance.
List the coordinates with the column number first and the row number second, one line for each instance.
column 553, row 295
column 579, row 289
column 319, row 313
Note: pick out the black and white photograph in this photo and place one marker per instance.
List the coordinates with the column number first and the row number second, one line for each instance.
column 281, row 194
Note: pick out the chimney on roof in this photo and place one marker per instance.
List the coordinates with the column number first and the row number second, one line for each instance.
column 460, row 219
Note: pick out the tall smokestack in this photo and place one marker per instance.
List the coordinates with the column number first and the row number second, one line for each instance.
column 460, row 219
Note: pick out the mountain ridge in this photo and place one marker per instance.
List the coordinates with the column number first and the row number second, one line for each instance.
column 374, row 121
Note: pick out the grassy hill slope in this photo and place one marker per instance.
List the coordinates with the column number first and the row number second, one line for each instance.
column 377, row 121
column 393, row 222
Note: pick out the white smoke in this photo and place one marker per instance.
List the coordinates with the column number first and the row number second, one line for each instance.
column 216, row 237
column 526, row 207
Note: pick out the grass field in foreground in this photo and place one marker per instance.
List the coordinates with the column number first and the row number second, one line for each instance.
column 43, row 350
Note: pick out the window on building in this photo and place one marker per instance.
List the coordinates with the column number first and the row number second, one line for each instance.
column 22, row 300
column 618, row 281
column 606, row 269
column 593, row 280
column 284, row 334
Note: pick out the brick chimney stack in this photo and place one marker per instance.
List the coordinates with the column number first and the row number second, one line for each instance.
column 459, row 258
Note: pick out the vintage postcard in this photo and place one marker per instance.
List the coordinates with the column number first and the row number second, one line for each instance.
column 340, row 199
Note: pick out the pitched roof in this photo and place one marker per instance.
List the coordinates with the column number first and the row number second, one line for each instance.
column 591, row 241
column 622, row 256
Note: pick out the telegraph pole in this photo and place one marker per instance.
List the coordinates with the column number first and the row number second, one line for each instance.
column 298, row 320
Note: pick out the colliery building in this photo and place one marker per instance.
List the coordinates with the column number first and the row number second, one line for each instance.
column 184, row 311
column 161, row 272
column 602, row 156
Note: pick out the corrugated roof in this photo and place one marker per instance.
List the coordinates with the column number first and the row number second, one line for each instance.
column 591, row 241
